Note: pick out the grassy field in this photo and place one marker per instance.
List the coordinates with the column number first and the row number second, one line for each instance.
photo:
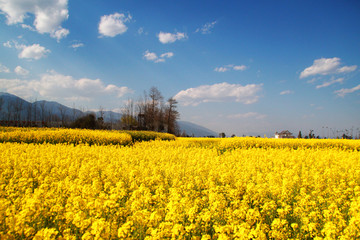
column 82, row 184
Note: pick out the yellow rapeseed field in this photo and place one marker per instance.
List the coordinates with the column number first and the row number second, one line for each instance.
column 241, row 188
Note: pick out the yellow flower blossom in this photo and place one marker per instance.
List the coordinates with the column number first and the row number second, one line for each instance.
column 82, row 184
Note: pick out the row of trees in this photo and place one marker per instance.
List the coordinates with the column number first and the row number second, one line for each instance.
column 150, row 112
column 312, row 135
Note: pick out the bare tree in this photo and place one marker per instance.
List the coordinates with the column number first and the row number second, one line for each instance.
column 29, row 112
column 172, row 115
column 74, row 113
column 141, row 109
column 50, row 115
column 101, row 120
column 154, row 109
column 1, row 104
column 35, row 109
column 128, row 120
column 43, row 111
column 18, row 107
column 62, row 110
column 9, row 110
column 102, row 112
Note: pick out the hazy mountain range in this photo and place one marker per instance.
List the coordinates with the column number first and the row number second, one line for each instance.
column 13, row 107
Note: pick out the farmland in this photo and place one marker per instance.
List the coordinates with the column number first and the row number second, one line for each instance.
column 82, row 184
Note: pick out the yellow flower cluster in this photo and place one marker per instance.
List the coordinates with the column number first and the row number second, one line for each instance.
column 149, row 135
column 182, row 189
column 77, row 136
column 60, row 135
column 250, row 142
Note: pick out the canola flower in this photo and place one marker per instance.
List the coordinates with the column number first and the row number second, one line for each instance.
column 78, row 136
column 182, row 189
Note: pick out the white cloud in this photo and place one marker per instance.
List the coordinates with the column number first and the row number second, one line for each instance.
column 77, row 45
column 59, row 34
column 151, row 56
column 326, row 66
column 57, row 86
column 342, row 92
column 321, row 66
column 240, row 68
column 206, row 28
column 286, row 92
column 48, row 15
column 230, row 67
column 220, row 92
column 221, row 69
column 25, row 26
column 167, row 55
column 34, row 51
column 171, row 37
column 347, row 69
column 7, row 44
column 252, row 115
column 328, row 83
column 21, row 71
column 113, row 24
column 4, row 69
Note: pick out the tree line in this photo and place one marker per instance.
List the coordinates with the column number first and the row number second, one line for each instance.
column 149, row 112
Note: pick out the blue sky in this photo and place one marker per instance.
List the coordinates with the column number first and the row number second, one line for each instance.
column 239, row 67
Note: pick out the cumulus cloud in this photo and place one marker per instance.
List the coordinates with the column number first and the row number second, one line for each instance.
column 171, row 37
column 34, row 51
column 220, row 92
column 230, row 67
column 252, row 115
column 48, row 15
column 59, row 34
column 55, row 86
column 331, row 82
column 326, row 66
column 21, row 71
column 286, row 92
column 151, row 56
column 113, row 24
column 206, row 28
column 4, row 69
column 342, row 92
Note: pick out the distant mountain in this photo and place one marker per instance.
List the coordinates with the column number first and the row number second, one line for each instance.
column 15, row 108
column 12, row 107
column 195, row 130
column 55, row 108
